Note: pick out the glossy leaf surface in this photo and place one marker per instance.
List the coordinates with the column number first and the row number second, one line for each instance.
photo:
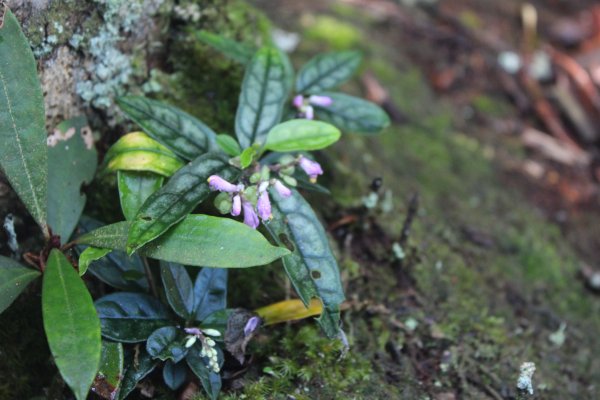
column 130, row 317
column 14, row 278
column 184, row 134
column 72, row 160
column 301, row 135
column 110, row 373
column 174, row 375
column 167, row 343
column 90, row 254
column 23, row 150
column 71, row 324
column 311, row 266
column 264, row 92
column 229, row 145
column 198, row 240
column 137, row 151
column 182, row 193
column 327, row 71
column 353, row 114
column 210, row 292
column 134, row 190
column 178, row 288
column 138, row 366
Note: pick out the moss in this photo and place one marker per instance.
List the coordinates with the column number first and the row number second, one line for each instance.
column 335, row 33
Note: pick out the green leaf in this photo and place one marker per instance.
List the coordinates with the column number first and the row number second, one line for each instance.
column 90, row 254
column 198, row 240
column 301, row 135
column 184, row 191
column 71, row 324
column 229, row 145
column 185, row 135
column 14, row 278
column 178, row 288
column 167, row 343
column 210, row 292
column 311, row 266
column 174, row 375
column 130, row 317
column 23, row 150
column 135, row 188
column 137, row 151
column 237, row 51
column 139, row 366
column 327, row 71
column 110, row 373
column 211, row 381
column 116, row 269
column 353, row 114
column 247, row 157
column 72, row 160
column 264, row 92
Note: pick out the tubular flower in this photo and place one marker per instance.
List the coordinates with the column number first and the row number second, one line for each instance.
column 283, row 190
column 251, row 325
column 250, row 217
column 305, row 105
column 321, row 101
column 215, row 182
column 264, row 206
column 236, row 207
column 312, row 168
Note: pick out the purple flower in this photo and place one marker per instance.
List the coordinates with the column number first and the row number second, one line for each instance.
column 264, row 206
column 251, row 325
column 309, row 112
column 217, row 183
column 312, row 168
column 250, row 217
column 236, row 207
column 193, row 331
column 298, row 101
column 283, row 190
column 322, row 101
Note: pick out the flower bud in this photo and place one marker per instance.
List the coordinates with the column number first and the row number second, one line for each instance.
column 283, row 190
column 321, row 101
column 217, row 183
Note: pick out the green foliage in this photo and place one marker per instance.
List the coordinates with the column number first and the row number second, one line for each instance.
column 135, row 188
column 167, row 343
column 174, row 375
column 23, row 153
column 178, row 288
column 239, row 52
column 71, row 324
column 210, row 292
column 14, row 278
column 90, row 254
column 72, row 160
column 229, row 145
column 301, row 135
column 185, row 135
column 311, row 266
column 210, row 380
column 196, row 241
column 187, row 188
column 137, row 368
column 262, row 99
column 327, row 71
column 353, row 114
column 110, row 372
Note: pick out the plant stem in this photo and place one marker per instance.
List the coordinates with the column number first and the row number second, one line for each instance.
column 150, row 277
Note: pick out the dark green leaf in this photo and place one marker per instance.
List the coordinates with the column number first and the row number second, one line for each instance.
column 130, row 317
column 110, row 373
column 301, row 135
column 14, row 278
column 135, row 188
column 116, row 269
column 237, row 51
column 138, row 367
column 264, row 92
column 72, row 160
column 247, row 157
column 211, row 381
column 137, row 151
column 182, row 193
column 71, row 324
column 178, row 288
column 229, row 145
column 210, row 292
column 353, row 114
column 90, row 254
column 176, row 129
column 327, row 71
column 167, row 343
column 174, row 375
column 311, row 266
column 198, row 240
column 23, row 150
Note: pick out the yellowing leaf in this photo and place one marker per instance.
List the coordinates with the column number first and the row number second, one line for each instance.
column 289, row 310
